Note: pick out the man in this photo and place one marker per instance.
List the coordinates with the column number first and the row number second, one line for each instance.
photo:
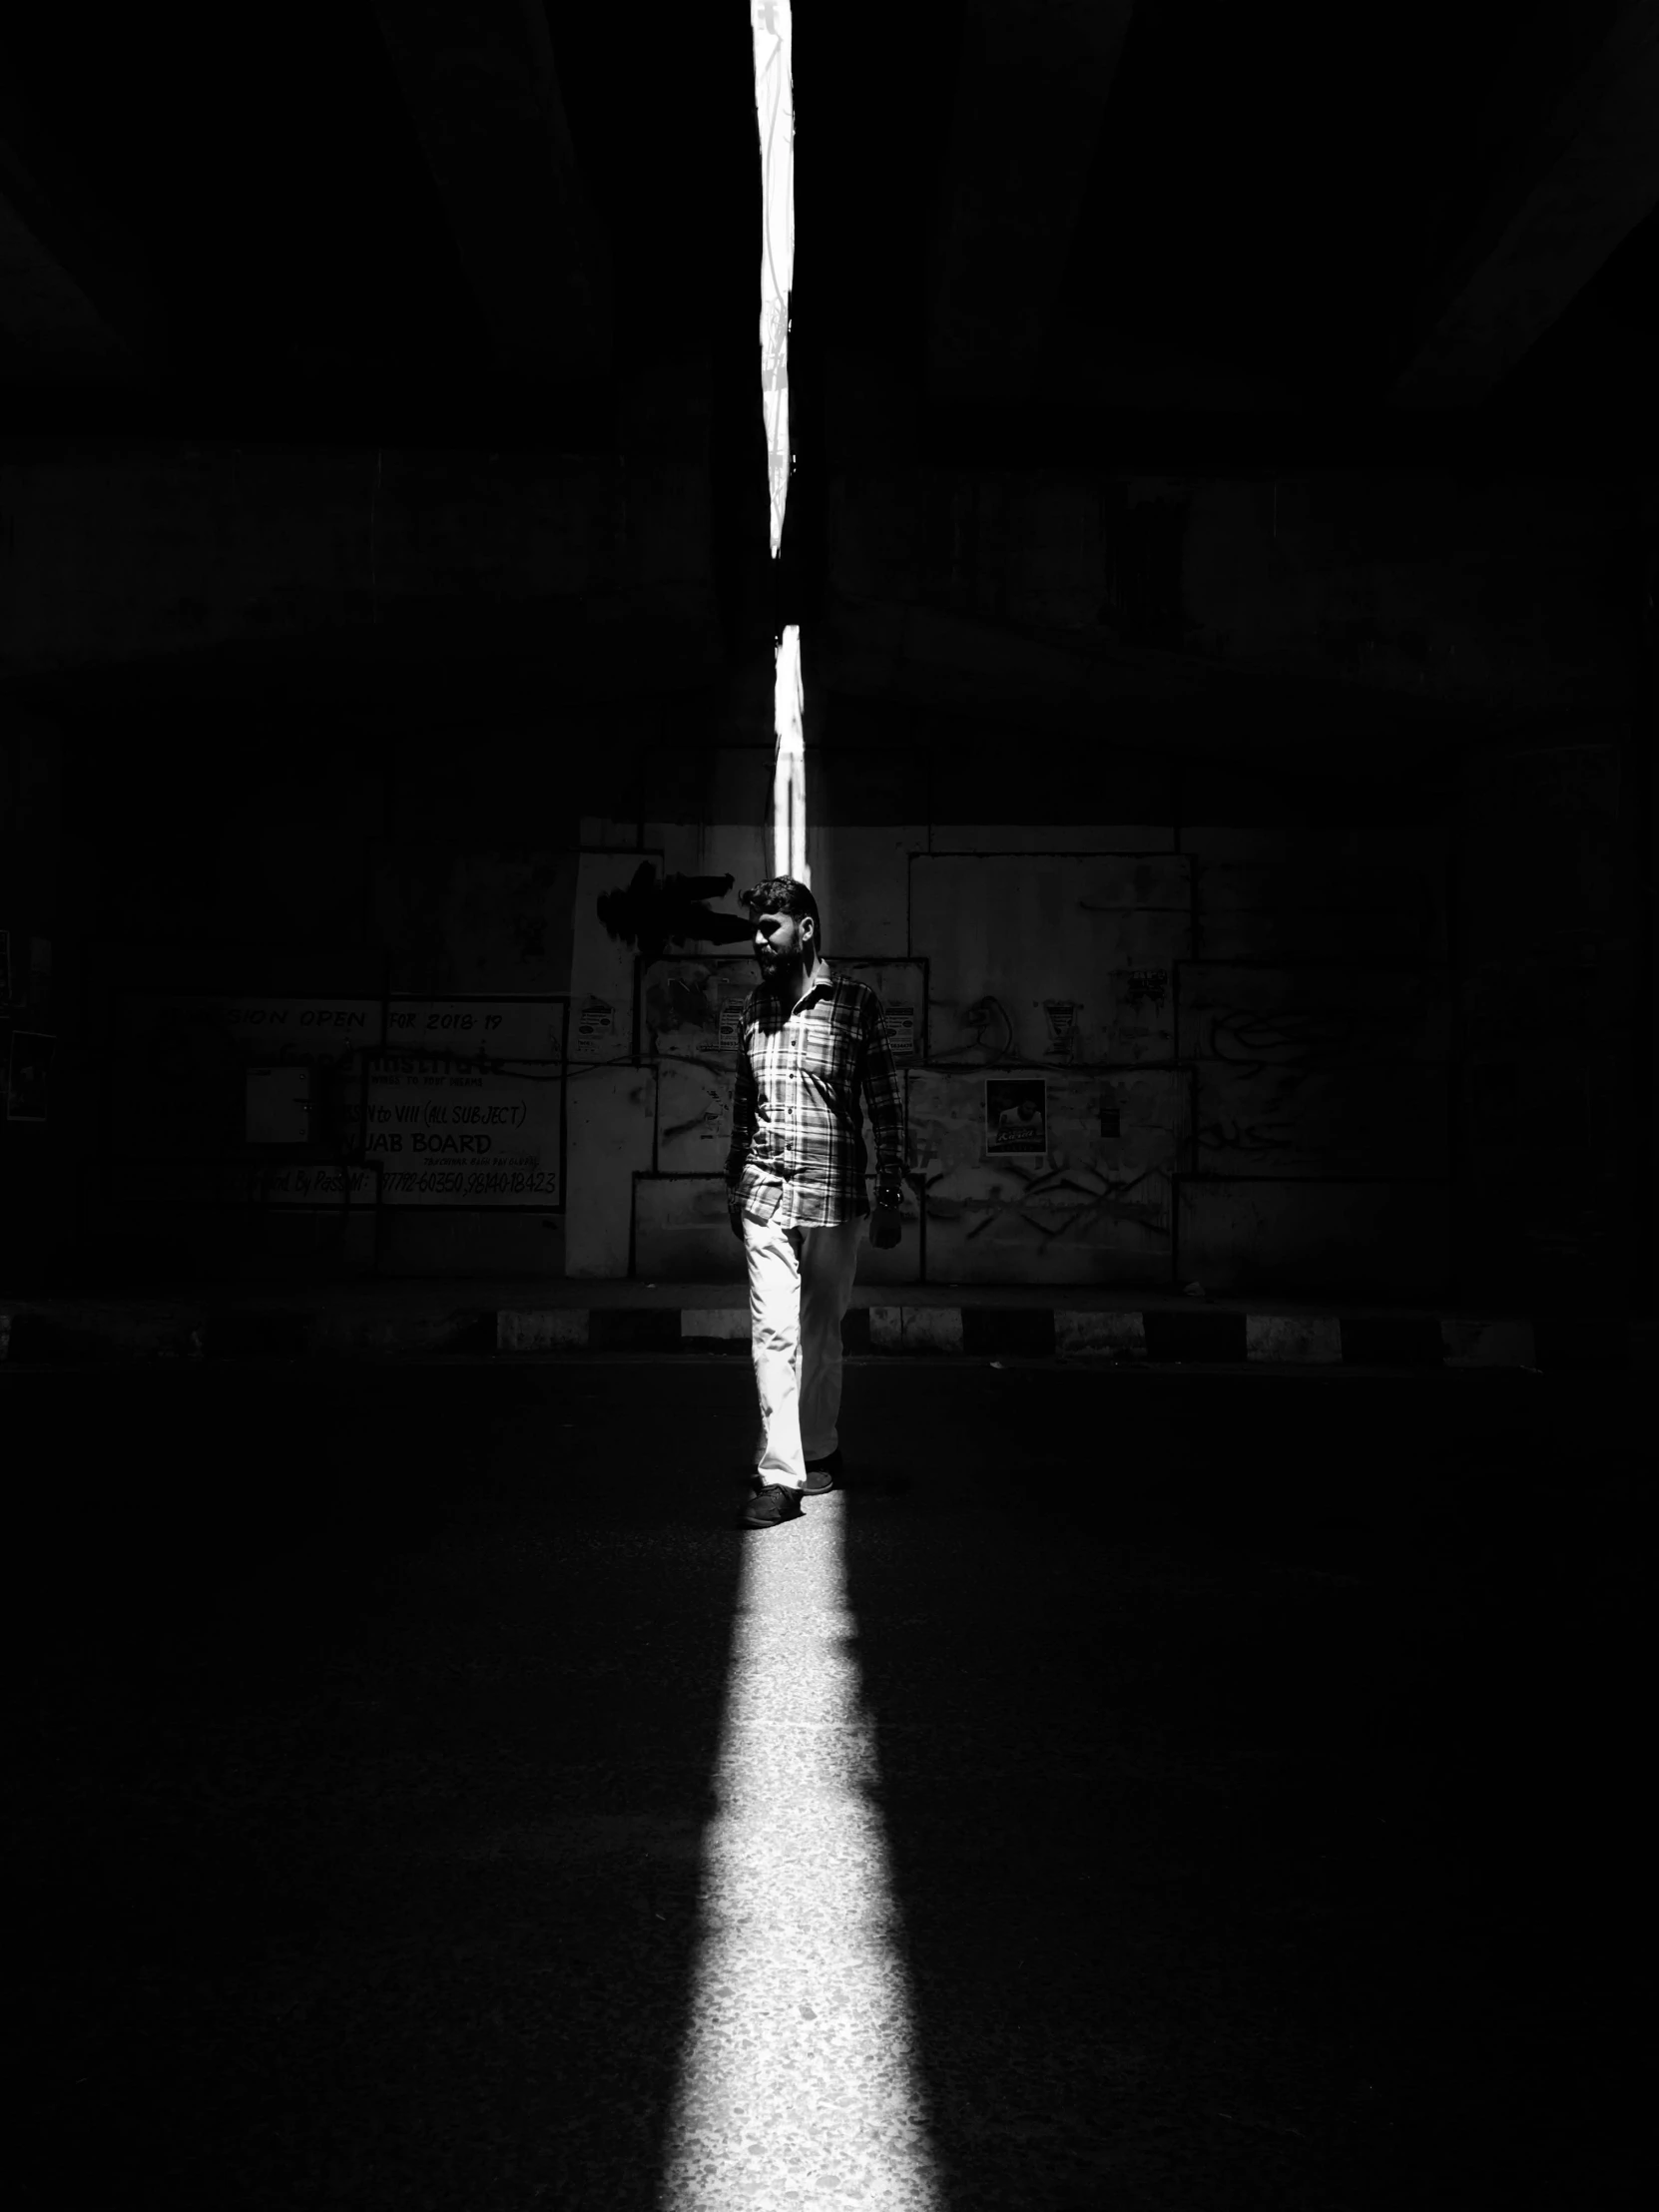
column 813, row 1043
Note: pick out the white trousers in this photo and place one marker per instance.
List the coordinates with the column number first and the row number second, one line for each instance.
column 800, row 1281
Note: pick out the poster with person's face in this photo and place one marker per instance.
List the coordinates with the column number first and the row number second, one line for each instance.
column 1016, row 1116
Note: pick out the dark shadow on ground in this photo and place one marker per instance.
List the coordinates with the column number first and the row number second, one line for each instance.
column 1259, row 1767
column 372, row 1716
column 1260, row 1772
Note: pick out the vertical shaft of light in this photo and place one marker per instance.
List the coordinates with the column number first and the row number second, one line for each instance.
column 770, row 29
column 789, row 789
column 774, row 110
column 799, row 2078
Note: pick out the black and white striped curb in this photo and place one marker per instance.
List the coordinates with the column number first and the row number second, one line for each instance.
column 1452, row 1341
column 1355, row 1339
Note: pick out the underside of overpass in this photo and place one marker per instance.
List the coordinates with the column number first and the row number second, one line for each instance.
column 1197, row 422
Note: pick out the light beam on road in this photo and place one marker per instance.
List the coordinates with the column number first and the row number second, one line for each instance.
column 800, row 2083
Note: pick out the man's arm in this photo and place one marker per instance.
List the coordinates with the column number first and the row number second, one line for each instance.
column 743, row 1116
column 885, row 1102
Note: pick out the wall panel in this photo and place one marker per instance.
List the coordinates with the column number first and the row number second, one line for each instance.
column 1302, row 911
column 1095, row 1207
column 610, row 1125
column 1301, row 1017
column 1390, row 1241
column 1065, row 960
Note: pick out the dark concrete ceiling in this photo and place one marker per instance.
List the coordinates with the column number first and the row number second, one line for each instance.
column 463, row 222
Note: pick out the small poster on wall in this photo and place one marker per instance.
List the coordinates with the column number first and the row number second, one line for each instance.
column 1062, row 1028
column 901, row 1030
column 1016, row 1116
column 596, row 1035
column 27, row 1067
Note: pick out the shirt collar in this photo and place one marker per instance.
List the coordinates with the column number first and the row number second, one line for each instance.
column 822, row 981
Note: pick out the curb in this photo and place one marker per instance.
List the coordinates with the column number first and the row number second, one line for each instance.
column 1359, row 1340
column 31, row 1336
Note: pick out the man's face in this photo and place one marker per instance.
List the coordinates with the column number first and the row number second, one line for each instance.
column 779, row 944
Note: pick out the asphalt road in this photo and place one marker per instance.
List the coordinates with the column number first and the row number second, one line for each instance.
column 1259, row 1764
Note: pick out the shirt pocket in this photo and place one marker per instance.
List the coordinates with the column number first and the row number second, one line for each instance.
column 821, row 1052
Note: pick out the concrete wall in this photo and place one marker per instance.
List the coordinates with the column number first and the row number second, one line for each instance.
column 1243, row 1025
column 1423, row 603
column 1549, row 1013
column 170, row 552
column 1182, row 798
column 36, row 1154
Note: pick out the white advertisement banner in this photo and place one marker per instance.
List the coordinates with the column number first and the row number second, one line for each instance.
column 466, row 1107
column 439, row 1102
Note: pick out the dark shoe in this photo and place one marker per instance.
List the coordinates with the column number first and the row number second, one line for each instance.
column 823, row 1474
column 775, row 1502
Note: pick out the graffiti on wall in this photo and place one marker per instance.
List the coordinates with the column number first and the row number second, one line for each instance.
column 650, row 915
column 692, row 1008
column 1068, row 959
column 1081, row 1190
column 693, row 1117
column 1316, row 1071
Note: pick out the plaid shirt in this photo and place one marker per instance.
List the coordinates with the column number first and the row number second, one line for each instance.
column 797, row 1152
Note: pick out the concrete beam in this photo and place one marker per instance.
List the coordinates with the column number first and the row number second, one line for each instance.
column 595, row 572
column 1560, row 203
column 1030, row 101
column 479, row 82
column 76, row 306
column 50, row 331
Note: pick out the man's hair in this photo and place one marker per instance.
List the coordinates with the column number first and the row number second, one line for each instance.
column 783, row 894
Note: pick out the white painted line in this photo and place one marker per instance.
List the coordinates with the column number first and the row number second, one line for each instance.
column 715, row 1320
column 887, row 1328
column 1086, row 1330
column 1308, row 1336
column 552, row 1328
column 1487, row 1343
column 931, row 1327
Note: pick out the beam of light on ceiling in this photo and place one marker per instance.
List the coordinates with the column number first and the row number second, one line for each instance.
column 799, row 2081
column 789, row 789
column 771, row 28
